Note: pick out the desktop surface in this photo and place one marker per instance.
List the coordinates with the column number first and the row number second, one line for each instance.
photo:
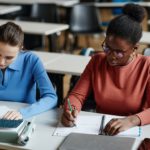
column 43, row 139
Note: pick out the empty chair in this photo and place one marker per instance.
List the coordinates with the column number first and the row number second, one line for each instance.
column 84, row 19
column 146, row 52
column 31, row 41
column 48, row 13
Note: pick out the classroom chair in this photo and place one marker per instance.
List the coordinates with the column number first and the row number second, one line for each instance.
column 43, row 13
column 146, row 52
column 48, row 13
column 31, row 42
column 84, row 20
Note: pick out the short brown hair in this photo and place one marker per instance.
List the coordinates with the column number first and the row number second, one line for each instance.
column 11, row 34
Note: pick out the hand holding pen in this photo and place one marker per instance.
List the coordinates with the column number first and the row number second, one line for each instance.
column 69, row 116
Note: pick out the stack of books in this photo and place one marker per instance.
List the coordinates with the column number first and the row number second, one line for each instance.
column 14, row 131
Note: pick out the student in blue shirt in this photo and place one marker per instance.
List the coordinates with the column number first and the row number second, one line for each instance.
column 21, row 72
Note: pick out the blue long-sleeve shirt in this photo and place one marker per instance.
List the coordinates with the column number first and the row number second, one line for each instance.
column 20, row 81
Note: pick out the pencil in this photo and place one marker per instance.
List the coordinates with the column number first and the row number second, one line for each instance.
column 70, row 107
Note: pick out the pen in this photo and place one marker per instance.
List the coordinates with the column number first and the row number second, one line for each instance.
column 101, row 125
column 70, row 107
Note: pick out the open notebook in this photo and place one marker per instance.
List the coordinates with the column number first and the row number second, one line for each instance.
column 93, row 125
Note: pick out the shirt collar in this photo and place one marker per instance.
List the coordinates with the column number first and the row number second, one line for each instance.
column 17, row 63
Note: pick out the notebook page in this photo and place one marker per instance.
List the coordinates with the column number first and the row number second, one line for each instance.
column 84, row 124
column 132, row 132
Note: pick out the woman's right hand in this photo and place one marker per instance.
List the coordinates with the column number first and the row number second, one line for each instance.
column 68, row 118
column 12, row 115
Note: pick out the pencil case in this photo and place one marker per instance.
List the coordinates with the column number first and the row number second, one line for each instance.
column 5, row 123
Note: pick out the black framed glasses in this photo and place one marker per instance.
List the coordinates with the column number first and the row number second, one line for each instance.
column 117, row 53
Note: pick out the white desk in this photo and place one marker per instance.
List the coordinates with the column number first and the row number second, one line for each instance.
column 30, row 2
column 47, row 57
column 145, row 38
column 41, row 28
column 68, row 64
column 42, row 139
column 46, row 123
column 63, row 63
column 5, row 9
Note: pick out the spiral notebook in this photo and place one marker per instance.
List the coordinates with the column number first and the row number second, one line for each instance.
column 93, row 124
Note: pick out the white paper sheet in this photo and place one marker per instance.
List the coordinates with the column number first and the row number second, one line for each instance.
column 84, row 124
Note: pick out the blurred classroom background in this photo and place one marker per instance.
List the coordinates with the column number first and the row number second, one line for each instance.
column 86, row 25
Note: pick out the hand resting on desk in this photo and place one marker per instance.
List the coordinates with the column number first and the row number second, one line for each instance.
column 118, row 125
column 12, row 115
column 68, row 118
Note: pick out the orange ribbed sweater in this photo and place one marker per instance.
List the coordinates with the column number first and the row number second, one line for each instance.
column 119, row 90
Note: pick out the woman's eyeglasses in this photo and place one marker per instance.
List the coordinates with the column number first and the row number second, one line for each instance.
column 107, row 50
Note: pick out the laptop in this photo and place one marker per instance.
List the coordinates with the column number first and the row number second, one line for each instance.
column 79, row 141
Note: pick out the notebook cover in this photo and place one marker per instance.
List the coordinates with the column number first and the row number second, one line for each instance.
column 77, row 141
column 5, row 123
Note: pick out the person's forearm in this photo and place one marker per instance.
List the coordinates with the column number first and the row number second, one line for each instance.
column 42, row 105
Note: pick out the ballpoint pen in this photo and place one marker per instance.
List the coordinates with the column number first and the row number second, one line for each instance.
column 70, row 108
column 102, row 125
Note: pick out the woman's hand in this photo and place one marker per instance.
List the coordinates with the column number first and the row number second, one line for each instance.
column 68, row 118
column 118, row 125
column 12, row 115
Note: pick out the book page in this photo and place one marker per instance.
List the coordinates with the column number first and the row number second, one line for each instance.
column 84, row 124
column 132, row 132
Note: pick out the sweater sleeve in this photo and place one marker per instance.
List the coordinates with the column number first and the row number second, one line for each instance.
column 82, row 89
column 145, row 114
column 48, row 98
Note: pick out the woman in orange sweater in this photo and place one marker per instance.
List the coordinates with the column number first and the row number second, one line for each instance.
column 119, row 77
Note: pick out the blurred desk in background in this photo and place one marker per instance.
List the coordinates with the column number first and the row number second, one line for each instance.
column 57, row 65
column 31, row 2
column 39, row 28
column 145, row 38
column 5, row 9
